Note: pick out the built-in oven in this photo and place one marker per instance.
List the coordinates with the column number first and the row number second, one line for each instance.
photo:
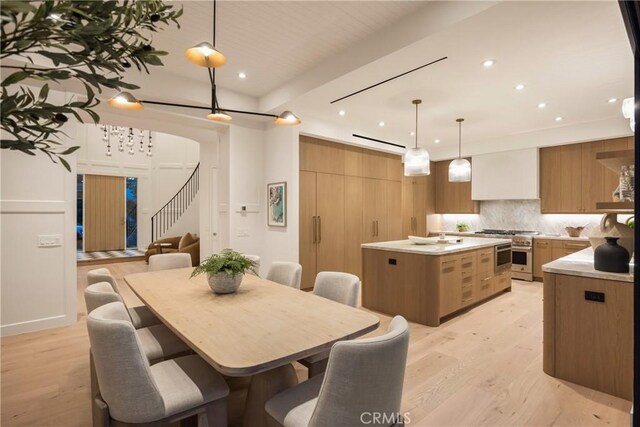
column 502, row 257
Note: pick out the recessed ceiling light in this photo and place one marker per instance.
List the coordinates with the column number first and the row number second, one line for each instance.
column 412, row 133
column 542, row 105
column 342, row 112
column 519, row 86
column 559, row 119
column 437, row 141
column 242, row 75
column 381, row 124
column 612, row 100
column 488, row 63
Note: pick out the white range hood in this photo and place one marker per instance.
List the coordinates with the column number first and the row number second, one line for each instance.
column 508, row 175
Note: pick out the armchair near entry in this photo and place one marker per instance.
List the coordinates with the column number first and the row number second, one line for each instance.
column 188, row 244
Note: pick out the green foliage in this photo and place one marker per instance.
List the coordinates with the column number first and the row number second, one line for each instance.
column 88, row 42
column 228, row 261
column 462, row 226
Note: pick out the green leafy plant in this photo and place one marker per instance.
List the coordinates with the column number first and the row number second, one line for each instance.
column 228, row 261
column 462, row 226
column 88, row 42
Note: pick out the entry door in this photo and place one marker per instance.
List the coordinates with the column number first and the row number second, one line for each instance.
column 104, row 223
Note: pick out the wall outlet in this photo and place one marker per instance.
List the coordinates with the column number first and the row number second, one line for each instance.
column 49, row 240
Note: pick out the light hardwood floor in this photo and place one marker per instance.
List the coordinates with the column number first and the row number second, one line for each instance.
column 483, row 367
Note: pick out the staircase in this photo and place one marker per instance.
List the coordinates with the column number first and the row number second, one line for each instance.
column 169, row 214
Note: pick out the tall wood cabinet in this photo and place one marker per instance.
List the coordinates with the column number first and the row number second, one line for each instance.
column 572, row 180
column 348, row 196
column 452, row 197
column 322, row 199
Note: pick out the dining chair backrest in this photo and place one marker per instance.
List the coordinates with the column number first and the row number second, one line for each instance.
column 99, row 294
column 285, row 273
column 256, row 260
column 102, row 275
column 169, row 261
column 340, row 287
column 364, row 376
column 124, row 375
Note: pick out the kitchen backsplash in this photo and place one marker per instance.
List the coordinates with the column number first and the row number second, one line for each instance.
column 521, row 215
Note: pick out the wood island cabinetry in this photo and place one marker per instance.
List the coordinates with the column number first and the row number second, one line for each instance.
column 588, row 325
column 426, row 287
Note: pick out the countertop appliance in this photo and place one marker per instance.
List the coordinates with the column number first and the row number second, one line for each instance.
column 521, row 251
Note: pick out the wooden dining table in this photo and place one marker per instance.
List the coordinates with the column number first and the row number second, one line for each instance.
column 257, row 331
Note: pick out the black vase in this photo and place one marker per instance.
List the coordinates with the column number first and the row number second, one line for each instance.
column 611, row 257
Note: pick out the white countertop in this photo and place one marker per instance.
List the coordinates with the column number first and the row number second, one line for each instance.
column 468, row 243
column 538, row 236
column 581, row 264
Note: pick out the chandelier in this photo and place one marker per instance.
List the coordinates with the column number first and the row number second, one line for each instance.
column 123, row 134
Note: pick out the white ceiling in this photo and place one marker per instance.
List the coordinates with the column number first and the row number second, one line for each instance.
column 573, row 55
column 273, row 41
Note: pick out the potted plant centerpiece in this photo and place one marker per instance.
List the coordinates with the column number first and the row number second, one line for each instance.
column 225, row 270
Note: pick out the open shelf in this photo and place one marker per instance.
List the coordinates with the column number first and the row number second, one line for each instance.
column 615, row 159
column 615, row 207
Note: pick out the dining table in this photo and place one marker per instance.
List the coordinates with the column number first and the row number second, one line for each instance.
column 257, row 331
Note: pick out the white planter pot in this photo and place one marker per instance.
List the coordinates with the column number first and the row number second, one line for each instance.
column 223, row 283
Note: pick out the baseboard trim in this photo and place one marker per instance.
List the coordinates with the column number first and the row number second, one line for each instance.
column 38, row 325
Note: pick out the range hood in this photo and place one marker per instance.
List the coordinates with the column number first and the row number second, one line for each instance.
column 507, row 175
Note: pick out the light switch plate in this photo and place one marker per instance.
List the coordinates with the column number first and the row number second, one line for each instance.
column 243, row 232
column 49, row 240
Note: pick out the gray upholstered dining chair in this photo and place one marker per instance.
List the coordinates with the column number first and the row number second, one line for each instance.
column 140, row 315
column 136, row 392
column 169, row 261
column 363, row 377
column 156, row 341
column 256, row 259
column 339, row 287
column 285, row 273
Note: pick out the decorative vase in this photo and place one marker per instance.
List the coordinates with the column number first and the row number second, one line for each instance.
column 610, row 227
column 223, row 283
column 574, row 231
column 611, row 257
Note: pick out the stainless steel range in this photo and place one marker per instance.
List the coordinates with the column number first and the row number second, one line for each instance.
column 521, row 250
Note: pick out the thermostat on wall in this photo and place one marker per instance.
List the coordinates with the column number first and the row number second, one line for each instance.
column 247, row 208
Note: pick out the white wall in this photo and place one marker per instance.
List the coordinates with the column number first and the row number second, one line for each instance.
column 159, row 177
column 246, row 229
column 37, row 285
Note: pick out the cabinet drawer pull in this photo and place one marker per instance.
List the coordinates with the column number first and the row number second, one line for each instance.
column 575, row 245
column 542, row 244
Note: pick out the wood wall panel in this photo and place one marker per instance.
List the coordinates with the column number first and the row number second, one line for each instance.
column 104, row 207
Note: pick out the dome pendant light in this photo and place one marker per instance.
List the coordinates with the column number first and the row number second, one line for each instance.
column 205, row 54
column 416, row 160
column 125, row 101
column 460, row 169
column 287, row 118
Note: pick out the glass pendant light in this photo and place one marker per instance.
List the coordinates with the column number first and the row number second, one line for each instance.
column 205, row 54
column 460, row 169
column 287, row 118
column 125, row 101
column 628, row 111
column 416, row 160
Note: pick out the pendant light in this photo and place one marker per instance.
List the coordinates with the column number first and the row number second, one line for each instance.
column 205, row 54
column 125, row 101
column 287, row 118
column 416, row 160
column 460, row 169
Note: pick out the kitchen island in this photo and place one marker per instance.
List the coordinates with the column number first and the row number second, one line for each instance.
column 427, row 283
column 588, row 324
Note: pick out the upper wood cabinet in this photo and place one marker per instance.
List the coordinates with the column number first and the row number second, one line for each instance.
column 573, row 181
column 317, row 155
column 452, row 197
